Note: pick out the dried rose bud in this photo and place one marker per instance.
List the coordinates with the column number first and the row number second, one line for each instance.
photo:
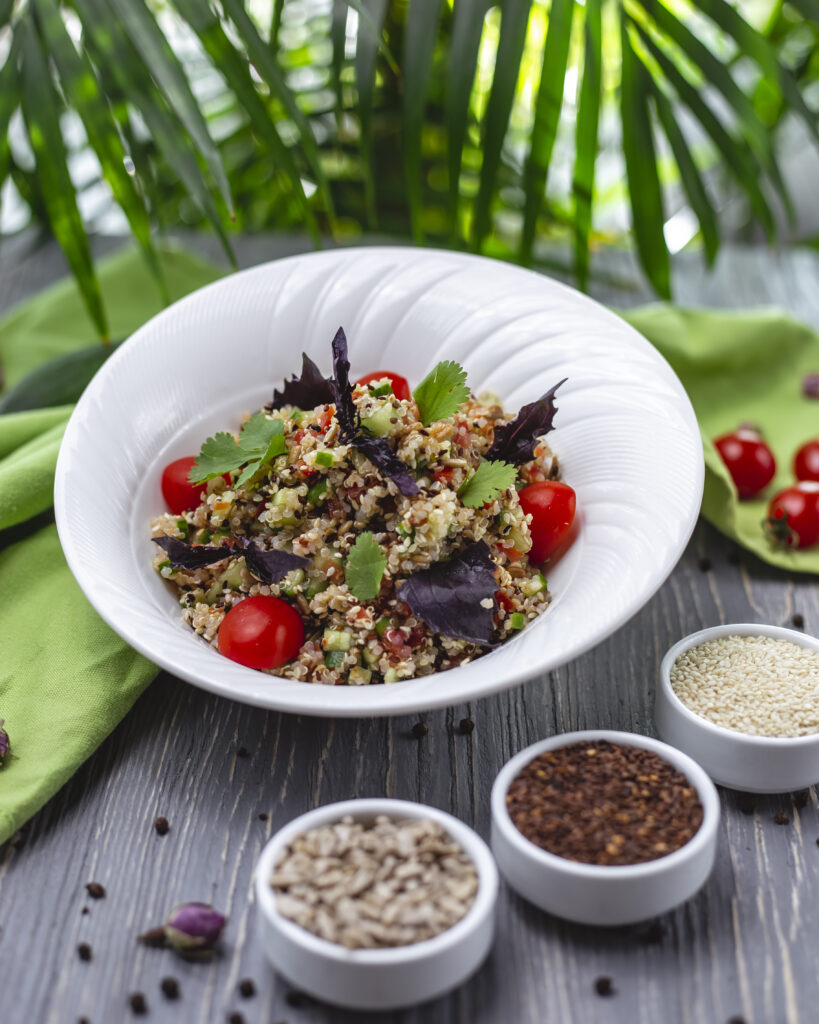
column 810, row 385
column 194, row 927
column 5, row 743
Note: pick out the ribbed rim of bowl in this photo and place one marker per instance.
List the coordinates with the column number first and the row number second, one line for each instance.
column 695, row 774
column 472, row 844
column 720, row 732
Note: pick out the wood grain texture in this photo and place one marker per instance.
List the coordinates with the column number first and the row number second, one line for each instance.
column 746, row 946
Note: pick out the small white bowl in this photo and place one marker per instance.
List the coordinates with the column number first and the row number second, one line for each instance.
column 378, row 979
column 753, row 764
column 599, row 894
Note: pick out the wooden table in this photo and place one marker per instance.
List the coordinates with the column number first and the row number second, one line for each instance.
column 227, row 776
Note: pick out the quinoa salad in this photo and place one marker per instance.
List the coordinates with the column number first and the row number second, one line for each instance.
column 372, row 534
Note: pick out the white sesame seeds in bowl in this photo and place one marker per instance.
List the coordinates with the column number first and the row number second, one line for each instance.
column 743, row 700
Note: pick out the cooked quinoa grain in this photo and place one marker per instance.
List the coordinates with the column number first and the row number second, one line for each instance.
column 391, row 883
column 753, row 684
column 317, row 499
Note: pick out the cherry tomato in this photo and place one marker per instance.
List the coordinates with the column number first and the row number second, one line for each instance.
column 749, row 460
column 261, row 632
column 806, row 463
column 179, row 493
column 400, row 385
column 551, row 505
column 793, row 515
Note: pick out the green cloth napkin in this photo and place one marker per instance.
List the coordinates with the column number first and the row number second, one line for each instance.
column 66, row 679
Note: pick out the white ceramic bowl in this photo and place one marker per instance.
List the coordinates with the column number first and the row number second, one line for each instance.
column 378, row 979
column 597, row 894
column 753, row 764
column 626, row 436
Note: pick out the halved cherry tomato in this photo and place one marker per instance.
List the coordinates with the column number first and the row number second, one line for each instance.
column 551, row 505
column 806, row 463
column 261, row 632
column 749, row 460
column 793, row 515
column 179, row 493
column 400, row 385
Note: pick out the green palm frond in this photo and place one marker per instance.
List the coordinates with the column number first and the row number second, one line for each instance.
column 450, row 121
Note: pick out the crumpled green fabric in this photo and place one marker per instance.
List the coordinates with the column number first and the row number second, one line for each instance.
column 66, row 679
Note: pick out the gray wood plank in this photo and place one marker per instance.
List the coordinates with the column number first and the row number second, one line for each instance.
column 745, row 946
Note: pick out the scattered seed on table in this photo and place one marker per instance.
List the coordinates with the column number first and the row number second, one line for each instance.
column 597, row 802
column 466, row 726
column 781, row 818
column 170, row 988
column 746, row 803
column 138, row 1003
column 419, row 730
column 84, row 951
column 798, row 620
column 243, row 752
column 95, row 890
column 85, row 910
column 83, row 1020
column 603, row 986
column 817, row 842
column 653, row 934
column 736, row 1020
column 734, row 556
column 236, row 1018
column 704, row 563
column 161, row 825
column 263, row 816
column 297, row 999
column 247, row 989
column 801, row 799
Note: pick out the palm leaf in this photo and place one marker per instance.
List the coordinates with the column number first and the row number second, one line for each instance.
column 808, row 8
column 755, row 45
column 419, row 45
column 365, row 59
column 645, row 193
column 717, row 75
column 588, row 116
column 547, row 116
column 737, row 156
column 236, row 72
column 268, row 69
column 146, row 36
column 689, row 175
column 514, row 22
column 9, row 98
column 467, row 27
column 41, row 112
column 338, row 38
column 276, row 24
column 79, row 81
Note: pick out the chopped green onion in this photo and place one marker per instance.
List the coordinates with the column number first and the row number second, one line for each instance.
column 324, row 459
column 337, row 640
column 203, row 536
column 183, row 526
column 163, row 565
column 381, row 390
column 517, row 620
column 314, row 587
column 382, row 626
column 317, row 492
column 334, row 659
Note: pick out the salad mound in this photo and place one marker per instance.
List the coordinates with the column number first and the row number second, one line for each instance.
column 359, row 533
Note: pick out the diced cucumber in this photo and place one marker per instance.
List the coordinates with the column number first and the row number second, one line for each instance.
column 334, row 659
column 391, row 676
column 370, row 657
column 315, row 586
column 318, row 492
column 297, row 415
column 533, row 586
column 214, row 591
column 517, row 620
column 379, row 423
column 233, row 576
column 183, row 526
column 337, row 639
column 358, row 676
column 382, row 626
column 203, row 536
column 292, row 581
column 324, row 459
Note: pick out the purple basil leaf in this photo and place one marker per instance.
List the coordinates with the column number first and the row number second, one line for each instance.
column 190, row 556
column 306, row 391
column 515, row 442
column 379, row 451
column 447, row 596
column 346, row 412
column 270, row 566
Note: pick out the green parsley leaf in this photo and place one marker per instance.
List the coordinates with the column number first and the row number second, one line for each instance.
column 365, row 567
column 441, row 393
column 486, row 483
column 260, row 440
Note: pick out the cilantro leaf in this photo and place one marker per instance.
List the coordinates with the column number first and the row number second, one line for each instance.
column 260, row 440
column 441, row 393
column 516, row 441
column 365, row 567
column 486, row 483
